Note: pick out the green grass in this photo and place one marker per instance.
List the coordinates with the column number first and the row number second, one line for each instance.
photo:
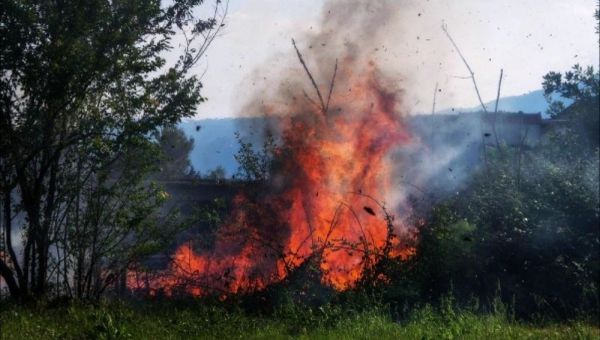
column 169, row 321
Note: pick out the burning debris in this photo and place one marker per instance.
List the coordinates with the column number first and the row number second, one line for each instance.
column 369, row 210
column 333, row 160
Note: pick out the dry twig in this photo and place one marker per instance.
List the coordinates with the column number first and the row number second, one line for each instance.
column 445, row 29
column 496, row 108
column 498, row 95
column 331, row 85
column 310, row 76
column 324, row 106
column 434, row 97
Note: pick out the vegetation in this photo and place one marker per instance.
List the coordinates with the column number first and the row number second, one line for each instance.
column 83, row 86
column 202, row 320
column 525, row 228
column 175, row 148
column 89, row 109
column 218, row 174
column 255, row 165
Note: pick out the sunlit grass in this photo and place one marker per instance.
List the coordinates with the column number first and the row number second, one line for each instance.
column 148, row 321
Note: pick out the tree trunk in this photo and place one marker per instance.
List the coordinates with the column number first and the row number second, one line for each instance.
column 13, row 287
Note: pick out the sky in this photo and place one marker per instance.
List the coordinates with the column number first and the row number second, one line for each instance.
column 525, row 38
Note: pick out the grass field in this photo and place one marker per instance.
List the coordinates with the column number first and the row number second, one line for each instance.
column 157, row 321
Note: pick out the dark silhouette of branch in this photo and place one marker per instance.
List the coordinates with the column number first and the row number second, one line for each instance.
column 434, row 97
column 445, row 29
column 331, row 85
column 496, row 108
column 498, row 95
column 193, row 54
column 310, row 76
column 310, row 99
column 324, row 106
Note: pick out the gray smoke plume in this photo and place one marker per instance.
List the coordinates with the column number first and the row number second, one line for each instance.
column 442, row 152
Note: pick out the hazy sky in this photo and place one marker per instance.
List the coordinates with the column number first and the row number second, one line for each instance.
column 527, row 38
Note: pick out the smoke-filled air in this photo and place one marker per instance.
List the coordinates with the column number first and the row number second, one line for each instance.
column 327, row 199
column 323, row 169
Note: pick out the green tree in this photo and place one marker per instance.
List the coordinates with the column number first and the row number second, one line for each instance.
column 217, row 174
column 82, row 86
column 582, row 86
column 255, row 165
column 175, row 149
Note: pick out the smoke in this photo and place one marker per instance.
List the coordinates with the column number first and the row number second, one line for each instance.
column 348, row 156
column 380, row 35
column 386, row 36
column 358, row 36
column 325, row 199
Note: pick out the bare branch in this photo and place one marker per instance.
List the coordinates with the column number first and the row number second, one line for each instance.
column 194, row 54
column 362, row 230
column 445, row 29
column 310, row 99
column 331, row 85
column 496, row 108
column 312, row 80
column 324, row 107
column 461, row 77
column 434, row 97
column 498, row 95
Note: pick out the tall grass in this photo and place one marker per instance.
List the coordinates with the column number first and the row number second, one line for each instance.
column 134, row 320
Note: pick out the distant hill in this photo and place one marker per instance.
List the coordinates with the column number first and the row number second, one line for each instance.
column 215, row 142
column 529, row 102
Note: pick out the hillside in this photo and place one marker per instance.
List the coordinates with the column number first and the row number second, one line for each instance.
column 215, row 143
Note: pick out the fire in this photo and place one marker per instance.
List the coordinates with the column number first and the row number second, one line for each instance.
column 320, row 204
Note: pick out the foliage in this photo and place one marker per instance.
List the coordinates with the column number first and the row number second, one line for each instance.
column 209, row 217
column 175, row 148
column 217, row 174
column 579, row 85
column 526, row 226
column 83, row 87
column 204, row 320
column 255, row 165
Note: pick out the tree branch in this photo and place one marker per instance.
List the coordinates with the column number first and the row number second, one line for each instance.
column 445, row 29
column 331, row 85
column 496, row 108
column 434, row 97
column 310, row 76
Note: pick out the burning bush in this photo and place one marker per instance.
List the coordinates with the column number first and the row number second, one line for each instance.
column 318, row 202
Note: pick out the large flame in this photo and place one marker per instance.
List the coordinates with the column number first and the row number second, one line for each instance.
column 322, row 201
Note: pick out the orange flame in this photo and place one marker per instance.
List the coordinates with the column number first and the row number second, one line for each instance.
column 317, row 205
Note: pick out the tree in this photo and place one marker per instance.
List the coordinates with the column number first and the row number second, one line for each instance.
column 255, row 165
column 579, row 85
column 582, row 86
column 175, row 149
column 597, row 15
column 114, row 221
column 82, row 86
column 217, row 174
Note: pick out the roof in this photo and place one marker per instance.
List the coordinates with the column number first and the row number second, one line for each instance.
column 512, row 117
